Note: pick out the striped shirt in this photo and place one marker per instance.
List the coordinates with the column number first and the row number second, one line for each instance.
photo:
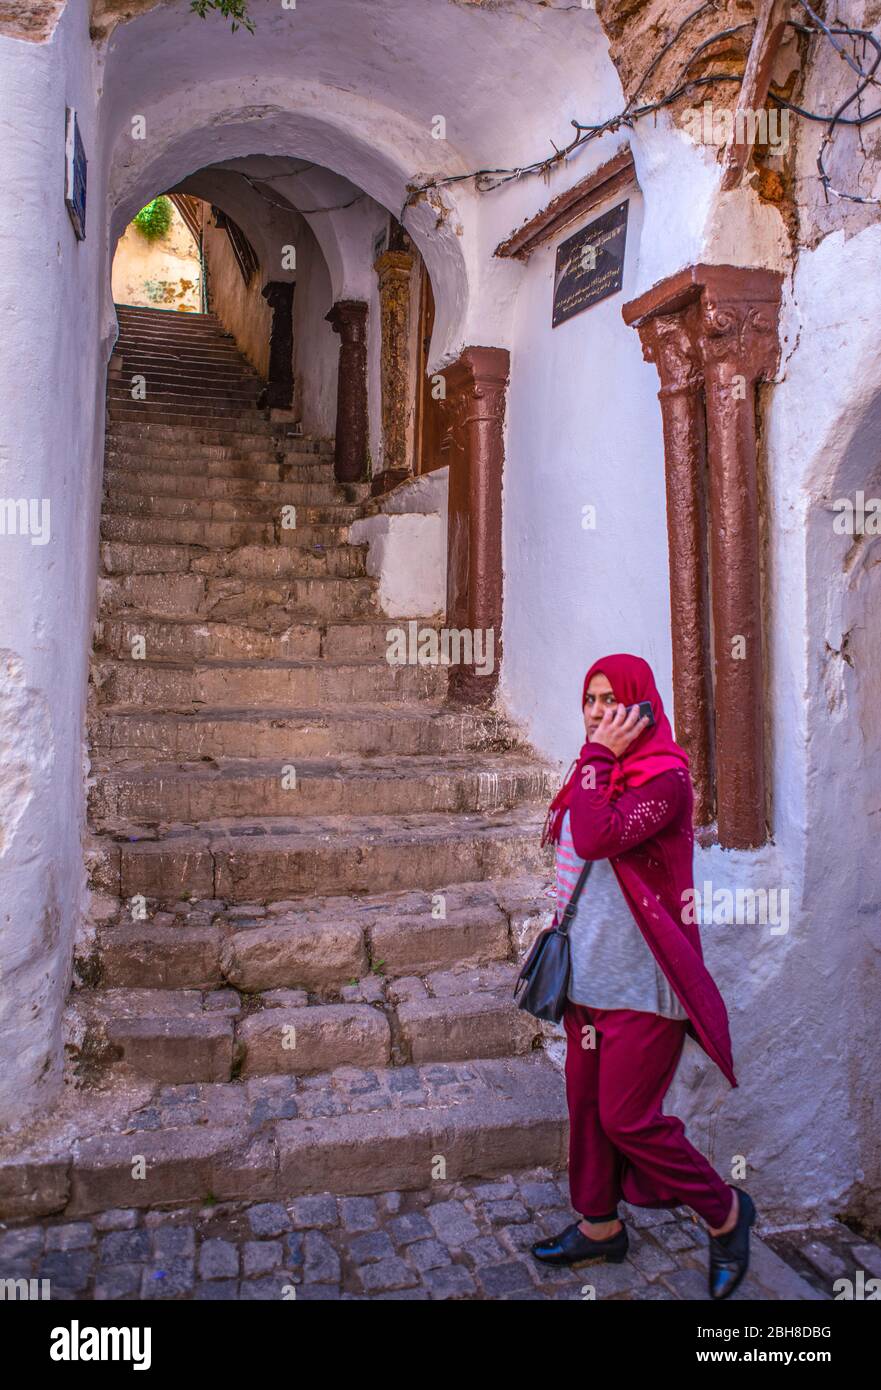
column 612, row 963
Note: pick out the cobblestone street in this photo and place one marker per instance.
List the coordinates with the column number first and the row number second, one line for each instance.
column 456, row 1241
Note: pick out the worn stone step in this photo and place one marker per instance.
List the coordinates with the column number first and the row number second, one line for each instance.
column 220, row 535
column 276, row 858
column 196, row 344
column 184, row 355
column 178, row 442
column 197, row 339
column 119, row 558
column 255, row 432
column 277, row 434
column 171, row 327
column 350, row 1130
column 395, row 785
column 234, row 599
column 184, row 367
column 169, row 687
column 181, row 1036
column 163, row 1035
column 187, row 412
column 141, row 383
column 362, row 729
column 180, row 363
column 198, row 403
column 221, row 509
column 321, row 944
column 144, row 337
column 454, row 1015
column 264, row 465
column 170, row 320
column 185, row 379
column 119, row 483
column 193, row 396
column 185, row 364
column 202, row 639
column 243, row 423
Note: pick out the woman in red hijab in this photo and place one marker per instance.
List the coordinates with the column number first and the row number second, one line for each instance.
column 638, row 983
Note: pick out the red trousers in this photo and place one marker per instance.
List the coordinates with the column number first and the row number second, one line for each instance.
column 621, row 1144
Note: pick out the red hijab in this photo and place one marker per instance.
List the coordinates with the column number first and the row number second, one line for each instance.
column 654, row 751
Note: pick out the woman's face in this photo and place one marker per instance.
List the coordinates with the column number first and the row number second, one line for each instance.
column 600, row 697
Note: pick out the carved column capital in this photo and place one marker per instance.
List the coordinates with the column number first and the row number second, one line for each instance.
column 739, row 312
column 741, row 337
column 348, row 318
column 719, row 311
column 477, row 384
column 278, row 294
column 391, row 265
column 670, row 342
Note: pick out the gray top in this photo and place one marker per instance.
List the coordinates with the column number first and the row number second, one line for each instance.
column 612, row 963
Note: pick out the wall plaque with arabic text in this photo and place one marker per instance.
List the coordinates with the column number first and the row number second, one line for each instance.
column 590, row 264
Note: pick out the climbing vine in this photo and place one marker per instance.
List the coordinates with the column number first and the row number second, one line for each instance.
column 154, row 220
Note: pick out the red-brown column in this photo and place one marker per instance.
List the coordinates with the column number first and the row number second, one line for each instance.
column 718, row 325
column 348, row 318
column 739, row 341
column 473, row 444
column 670, row 342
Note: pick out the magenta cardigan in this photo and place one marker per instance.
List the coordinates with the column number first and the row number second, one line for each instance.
column 647, row 835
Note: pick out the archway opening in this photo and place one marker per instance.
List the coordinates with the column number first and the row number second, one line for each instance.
column 158, row 259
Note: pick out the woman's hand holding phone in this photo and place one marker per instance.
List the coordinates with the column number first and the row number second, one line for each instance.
column 619, row 727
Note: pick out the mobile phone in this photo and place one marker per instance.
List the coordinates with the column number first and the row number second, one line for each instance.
column 645, row 708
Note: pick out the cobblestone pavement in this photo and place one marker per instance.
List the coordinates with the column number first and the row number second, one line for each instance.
column 456, row 1240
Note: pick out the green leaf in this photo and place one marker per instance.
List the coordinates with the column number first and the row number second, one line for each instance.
column 154, row 220
column 236, row 11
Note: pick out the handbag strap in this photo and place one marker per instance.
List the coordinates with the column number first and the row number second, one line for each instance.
column 569, row 909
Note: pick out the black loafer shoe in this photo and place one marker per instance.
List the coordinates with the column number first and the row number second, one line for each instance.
column 573, row 1247
column 729, row 1254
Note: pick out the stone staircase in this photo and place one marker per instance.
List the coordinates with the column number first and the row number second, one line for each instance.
column 311, row 875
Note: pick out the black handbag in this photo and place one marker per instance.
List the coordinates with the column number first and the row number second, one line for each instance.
column 541, row 986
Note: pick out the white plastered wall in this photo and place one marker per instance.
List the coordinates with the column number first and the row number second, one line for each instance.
column 407, row 542
column 818, row 1038
column 54, row 356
